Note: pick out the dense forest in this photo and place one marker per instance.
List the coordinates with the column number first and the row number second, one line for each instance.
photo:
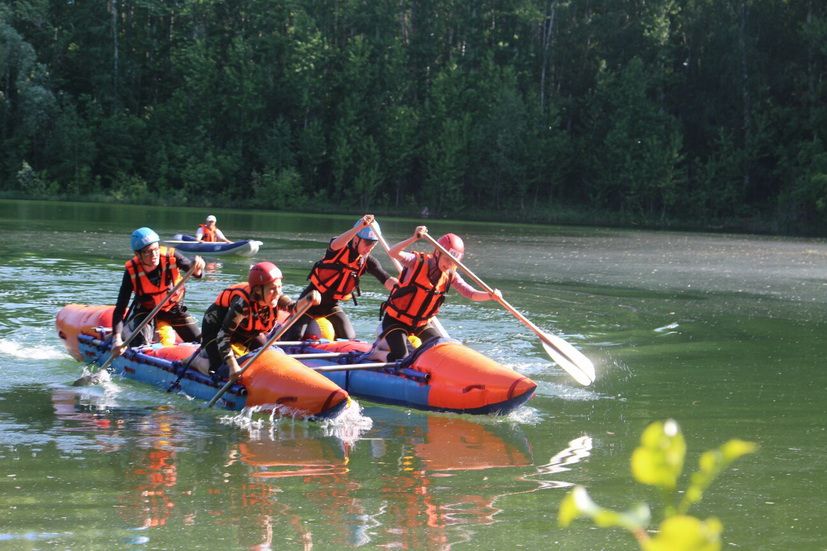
column 673, row 113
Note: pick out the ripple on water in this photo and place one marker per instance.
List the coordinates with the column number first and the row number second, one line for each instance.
column 33, row 536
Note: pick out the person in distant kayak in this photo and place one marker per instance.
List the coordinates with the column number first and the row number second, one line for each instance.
column 150, row 275
column 425, row 279
column 240, row 319
column 209, row 232
column 336, row 277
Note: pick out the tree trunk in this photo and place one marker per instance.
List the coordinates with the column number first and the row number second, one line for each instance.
column 114, row 10
column 547, row 35
column 746, row 98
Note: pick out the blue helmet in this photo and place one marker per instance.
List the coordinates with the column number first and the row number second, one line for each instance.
column 367, row 233
column 143, row 237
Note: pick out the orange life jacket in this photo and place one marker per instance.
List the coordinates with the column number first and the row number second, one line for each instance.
column 207, row 233
column 339, row 272
column 261, row 318
column 147, row 294
column 417, row 299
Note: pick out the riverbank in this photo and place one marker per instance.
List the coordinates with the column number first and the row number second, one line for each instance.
column 558, row 215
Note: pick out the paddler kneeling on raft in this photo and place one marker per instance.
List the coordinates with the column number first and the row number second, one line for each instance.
column 336, row 278
column 422, row 286
column 239, row 320
column 151, row 274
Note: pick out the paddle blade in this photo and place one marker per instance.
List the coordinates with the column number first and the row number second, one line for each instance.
column 569, row 358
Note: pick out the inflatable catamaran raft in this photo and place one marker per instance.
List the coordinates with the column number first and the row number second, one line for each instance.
column 314, row 377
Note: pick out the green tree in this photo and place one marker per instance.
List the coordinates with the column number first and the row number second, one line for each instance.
column 637, row 168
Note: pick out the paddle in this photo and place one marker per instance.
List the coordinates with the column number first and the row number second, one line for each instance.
column 302, row 306
column 564, row 354
column 435, row 322
column 150, row 316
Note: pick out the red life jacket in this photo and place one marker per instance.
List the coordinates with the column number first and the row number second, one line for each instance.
column 338, row 272
column 261, row 319
column 417, row 299
column 147, row 294
column 207, row 234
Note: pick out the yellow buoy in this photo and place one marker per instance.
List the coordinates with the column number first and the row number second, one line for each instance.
column 326, row 329
column 164, row 333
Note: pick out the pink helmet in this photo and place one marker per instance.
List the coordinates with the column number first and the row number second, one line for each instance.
column 263, row 273
column 454, row 244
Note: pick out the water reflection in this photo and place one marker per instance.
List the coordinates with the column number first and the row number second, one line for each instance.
column 293, row 455
column 87, row 417
column 212, row 268
column 150, row 500
column 547, row 475
column 411, row 480
column 428, row 494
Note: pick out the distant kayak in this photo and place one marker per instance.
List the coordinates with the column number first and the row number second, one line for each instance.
column 188, row 244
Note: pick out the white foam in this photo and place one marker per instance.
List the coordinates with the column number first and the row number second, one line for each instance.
column 349, row 425
column 26, row 352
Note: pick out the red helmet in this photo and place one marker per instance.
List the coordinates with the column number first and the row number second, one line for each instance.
column 263, row 273
column 454, row 244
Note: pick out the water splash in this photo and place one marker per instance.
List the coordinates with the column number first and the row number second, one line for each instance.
column 274, row 416
column 525, row 415
column 28, row 352
column 92, row 377
column 349, row 425
column 564, row 391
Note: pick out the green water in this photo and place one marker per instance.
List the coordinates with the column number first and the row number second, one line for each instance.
column 723, row 333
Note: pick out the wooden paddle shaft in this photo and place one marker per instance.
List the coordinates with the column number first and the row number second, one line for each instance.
column 396, row 263
column 485, row 287
column 570, row 359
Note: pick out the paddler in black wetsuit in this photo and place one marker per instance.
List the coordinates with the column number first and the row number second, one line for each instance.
column 150, row 275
